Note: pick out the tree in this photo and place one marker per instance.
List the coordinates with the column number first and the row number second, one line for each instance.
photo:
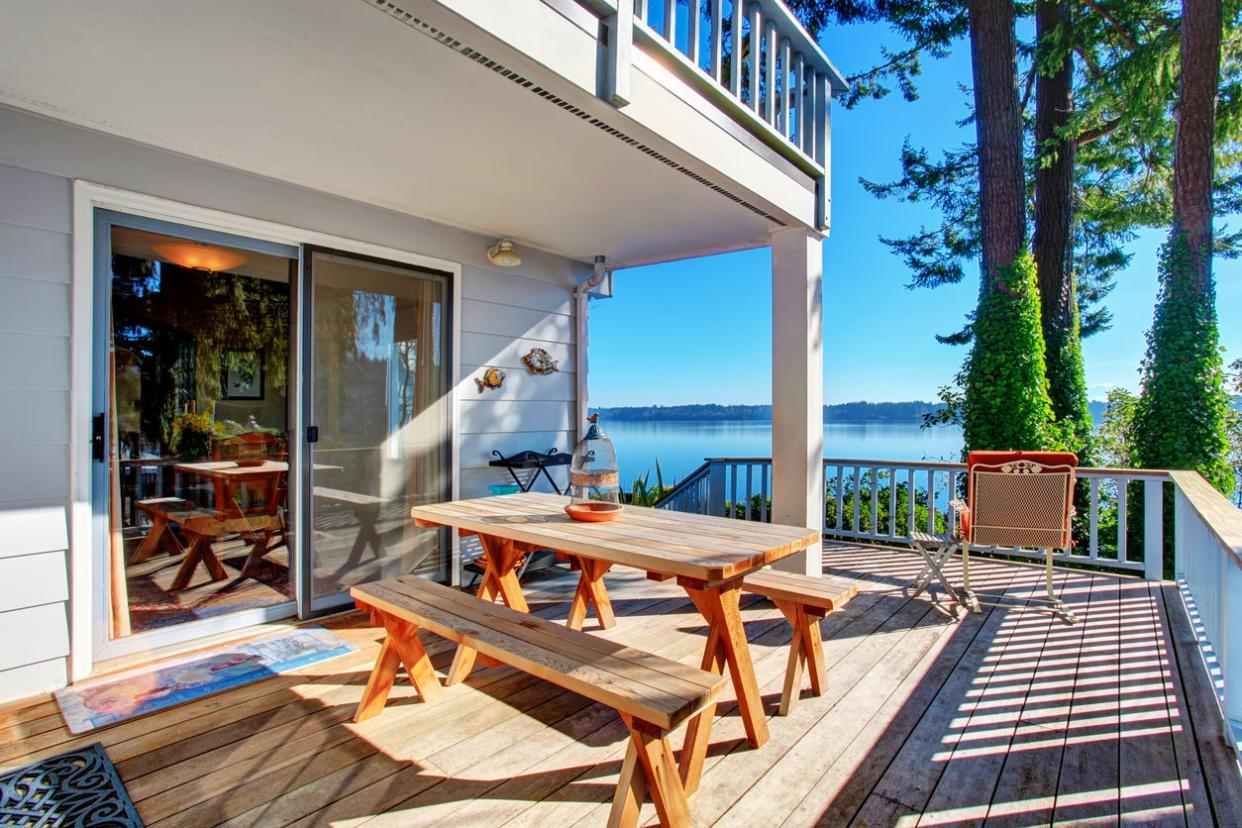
column 1006, row 403
column 1183, row 411
column 1115, row 438
column 1054, row 224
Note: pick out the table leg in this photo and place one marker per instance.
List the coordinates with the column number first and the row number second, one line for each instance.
column 723, row 604
column 499, row 578
column 153, row 540
column 200, row 550
column 591, row 592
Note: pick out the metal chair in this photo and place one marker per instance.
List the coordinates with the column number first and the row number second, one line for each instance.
column 1014, row 500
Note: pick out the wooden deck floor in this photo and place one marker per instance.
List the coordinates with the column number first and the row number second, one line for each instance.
column 1007, row 717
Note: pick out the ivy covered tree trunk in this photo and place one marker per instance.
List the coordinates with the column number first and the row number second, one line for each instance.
column 1054, row 218
column 1006, row 403
column 1182, row 415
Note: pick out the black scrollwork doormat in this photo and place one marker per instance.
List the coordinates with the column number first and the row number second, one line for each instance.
column 78, row 788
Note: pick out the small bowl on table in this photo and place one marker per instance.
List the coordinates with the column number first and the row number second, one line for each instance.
column 594, row 511
column 250, row 462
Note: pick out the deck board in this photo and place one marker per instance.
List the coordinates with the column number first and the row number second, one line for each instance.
column 1008, row 717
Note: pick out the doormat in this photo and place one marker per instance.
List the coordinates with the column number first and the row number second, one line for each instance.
column 115, row 698
column 80, row 787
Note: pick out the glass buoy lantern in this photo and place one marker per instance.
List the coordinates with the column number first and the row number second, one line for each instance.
column 594, row 481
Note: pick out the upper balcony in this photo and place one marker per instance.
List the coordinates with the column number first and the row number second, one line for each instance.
column 642, row 132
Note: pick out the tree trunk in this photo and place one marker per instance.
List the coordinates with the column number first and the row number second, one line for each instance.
column 1196, row 123
column 1182, row 415
column 1005, row 402
column 998, row 125
column 1054, row 217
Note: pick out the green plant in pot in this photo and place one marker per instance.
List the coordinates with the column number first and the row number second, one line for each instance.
column 192, row 433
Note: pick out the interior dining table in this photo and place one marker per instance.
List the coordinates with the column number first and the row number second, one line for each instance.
column 707, row 556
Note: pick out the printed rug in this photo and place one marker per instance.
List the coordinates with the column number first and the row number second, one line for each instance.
column 80, row 787
column 120, row 696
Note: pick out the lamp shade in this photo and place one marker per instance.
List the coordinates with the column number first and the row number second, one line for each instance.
column 502, row 254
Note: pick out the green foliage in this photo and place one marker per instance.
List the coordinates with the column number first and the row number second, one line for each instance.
column 867, row 508
column 642, row 493
column 1115, row 437
column 1182, row 417
column 1067, row 386
column 1006, row 404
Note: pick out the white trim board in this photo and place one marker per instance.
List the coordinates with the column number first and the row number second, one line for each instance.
column 89, row 196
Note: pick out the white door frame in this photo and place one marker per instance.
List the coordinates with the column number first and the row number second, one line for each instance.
column 85, row 577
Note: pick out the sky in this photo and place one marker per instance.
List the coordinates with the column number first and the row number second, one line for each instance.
column 699, row 331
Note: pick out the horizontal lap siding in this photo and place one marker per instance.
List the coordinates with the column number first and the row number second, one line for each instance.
column 503, row 314
column 34, row 430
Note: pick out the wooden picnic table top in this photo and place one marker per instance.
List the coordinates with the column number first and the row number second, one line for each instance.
column 700, row 547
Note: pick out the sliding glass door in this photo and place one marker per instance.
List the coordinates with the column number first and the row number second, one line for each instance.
column 379, row 420
column 192, row 393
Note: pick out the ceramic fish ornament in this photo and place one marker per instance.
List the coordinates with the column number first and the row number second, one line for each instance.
column 539, row 361
column 492, row 378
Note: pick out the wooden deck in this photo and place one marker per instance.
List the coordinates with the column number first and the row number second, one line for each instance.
column 1008, row 717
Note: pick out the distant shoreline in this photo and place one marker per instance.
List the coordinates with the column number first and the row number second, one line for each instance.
column 853, row 412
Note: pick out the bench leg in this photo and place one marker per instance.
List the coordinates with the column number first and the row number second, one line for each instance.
column 806, row 648
column 256, row 554
column 652, row 758
column 591, row 592
column 699, row 728
column 159, row 525
column 631, row 792
column 401, row 646
column 383, row 674
column 404, row 638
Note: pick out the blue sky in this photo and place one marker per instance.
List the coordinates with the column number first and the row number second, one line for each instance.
column 700, row 330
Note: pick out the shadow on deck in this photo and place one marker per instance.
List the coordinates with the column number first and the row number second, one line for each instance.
column 1008, row 716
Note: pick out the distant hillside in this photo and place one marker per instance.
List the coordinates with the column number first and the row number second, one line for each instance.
column 851, row 412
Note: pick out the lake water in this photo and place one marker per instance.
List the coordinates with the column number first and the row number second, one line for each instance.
column 681, row 447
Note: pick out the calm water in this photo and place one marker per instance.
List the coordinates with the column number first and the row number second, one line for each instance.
column 682, row 446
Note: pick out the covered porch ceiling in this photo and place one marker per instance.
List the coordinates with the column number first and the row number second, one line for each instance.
column 344, row 98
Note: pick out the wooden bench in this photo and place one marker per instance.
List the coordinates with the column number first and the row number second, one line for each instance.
column 652, row 694
column 803, row 599
column 161, row 512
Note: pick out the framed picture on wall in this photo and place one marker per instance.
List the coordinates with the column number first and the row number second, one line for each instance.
column 243, row 375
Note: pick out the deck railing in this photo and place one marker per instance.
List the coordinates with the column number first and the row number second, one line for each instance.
column 752, row 58
column 1121, row 525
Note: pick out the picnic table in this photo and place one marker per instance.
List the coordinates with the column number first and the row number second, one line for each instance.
column 708, row 557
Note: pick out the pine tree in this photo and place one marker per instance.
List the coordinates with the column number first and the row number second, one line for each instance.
column 1184, row 409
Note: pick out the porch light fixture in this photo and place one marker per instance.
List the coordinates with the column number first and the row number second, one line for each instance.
column 198, row 256
column 502, row 254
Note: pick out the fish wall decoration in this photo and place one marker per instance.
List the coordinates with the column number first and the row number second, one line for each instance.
column 539, row 361
column 492, row 379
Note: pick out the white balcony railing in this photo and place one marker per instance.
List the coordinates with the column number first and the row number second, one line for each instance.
column 1121, row 527
column 751, row 58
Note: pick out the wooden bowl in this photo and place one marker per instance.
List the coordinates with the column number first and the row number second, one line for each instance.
column 250, row 462
column 593, row 512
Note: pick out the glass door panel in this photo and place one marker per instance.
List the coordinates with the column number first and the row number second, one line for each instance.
column 193, row 391
column 379, row 386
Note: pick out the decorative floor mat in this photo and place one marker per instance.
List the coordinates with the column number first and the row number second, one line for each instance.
column 120, row 696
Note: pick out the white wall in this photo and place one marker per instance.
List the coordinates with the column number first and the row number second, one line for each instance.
column 34, row 430
column 504, row 312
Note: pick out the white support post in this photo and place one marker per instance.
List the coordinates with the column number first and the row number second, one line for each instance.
column 798, row 389
column 620, row 28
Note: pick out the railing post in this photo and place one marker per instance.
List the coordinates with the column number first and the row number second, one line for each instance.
column 1229, row 648
column 716, row 488
column 620, row 28
column 1153, row 529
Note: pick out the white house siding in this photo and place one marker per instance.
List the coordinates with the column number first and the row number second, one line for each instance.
column 34, row 429
column 504, row 313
